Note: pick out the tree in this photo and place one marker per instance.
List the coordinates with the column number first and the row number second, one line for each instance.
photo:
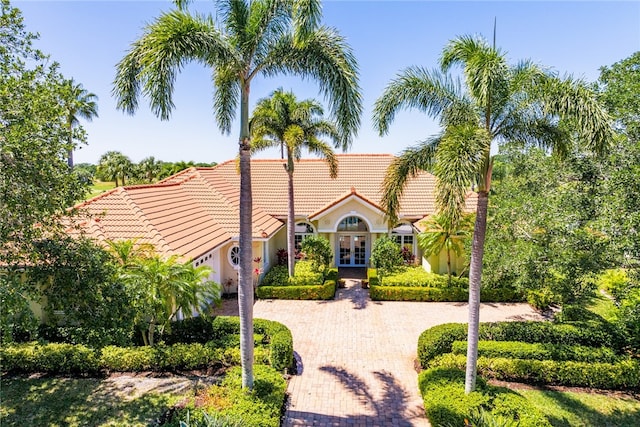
column 78, row 103
column 150, row 168
column 497, row 103
column 282, row 121
column 36, row 185
column 162, row 288
column 259, row 37
column 440, row 233
column 113, row 165
column 386, row 256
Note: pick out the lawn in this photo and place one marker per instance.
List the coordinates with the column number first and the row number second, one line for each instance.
column 75, row 401
column 100, row 187
column 570, row 409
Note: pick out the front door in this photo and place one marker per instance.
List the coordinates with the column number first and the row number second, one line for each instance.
column 352, row 250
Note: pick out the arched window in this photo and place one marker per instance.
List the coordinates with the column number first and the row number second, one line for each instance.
column 403, row 235
column 234, row 256
column 352, row 223
column 303, row 230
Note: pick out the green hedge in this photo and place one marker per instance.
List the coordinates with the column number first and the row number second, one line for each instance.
column 419, row 277
column 306, row 275
column 540, row 351
column 325, row 291
column 259, row 408
column 54, row 358
column 446, row 403
column 412, row 293
column 439, row 339
column 222, row 349
column 415, row 284
column 615, row 376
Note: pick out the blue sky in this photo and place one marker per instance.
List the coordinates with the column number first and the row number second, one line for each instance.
column 89, row 37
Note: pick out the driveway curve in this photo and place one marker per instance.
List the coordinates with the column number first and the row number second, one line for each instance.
column 356, row 356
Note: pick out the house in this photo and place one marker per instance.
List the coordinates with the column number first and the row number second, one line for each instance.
column 194, row 214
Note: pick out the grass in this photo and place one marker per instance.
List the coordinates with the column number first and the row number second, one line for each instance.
column 570, row 409
column 74, row 402
column 603, row 306
column 100, row 187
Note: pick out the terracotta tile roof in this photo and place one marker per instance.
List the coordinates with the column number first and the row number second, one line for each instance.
column 352, row 193
column 314, row 189
column 197, row 209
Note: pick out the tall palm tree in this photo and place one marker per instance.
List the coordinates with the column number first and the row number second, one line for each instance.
column 150, row 168
column 282, row 121
column 497, row 103
column 257, row 37
column 78, row 103
column 441, row 233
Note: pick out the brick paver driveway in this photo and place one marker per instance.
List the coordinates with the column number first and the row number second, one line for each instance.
column 356, row 357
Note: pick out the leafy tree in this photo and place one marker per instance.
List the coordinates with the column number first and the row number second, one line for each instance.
column 78, row 103
column 497, row 103
column 386, row 256
column 113, row 165
column 318, row 251
column 441, row 233
column 150, row 168
column 36, row 185
column 246, row 39
column 75, row 276
column 163, row 288
column 283, row 121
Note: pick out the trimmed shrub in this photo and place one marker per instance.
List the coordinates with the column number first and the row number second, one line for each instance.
column 94, row 337
column 124, row 359
column 191, row 330
column 54, row 358
column 259, row 408
column 590, row 334
column 539, row 351
column 615, row 376
column 446, row 403
column 325, row 291
column 453, row 294
column 418, row 276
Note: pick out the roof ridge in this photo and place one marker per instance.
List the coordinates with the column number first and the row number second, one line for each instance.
column 150, row 227
column 93, row 199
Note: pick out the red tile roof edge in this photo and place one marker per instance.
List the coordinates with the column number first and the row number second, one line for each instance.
column 354, row 193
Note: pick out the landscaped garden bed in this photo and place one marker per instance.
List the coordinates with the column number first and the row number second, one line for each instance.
column 198, row 344
column 586, row 353
column 416, row 284
column 307, row 284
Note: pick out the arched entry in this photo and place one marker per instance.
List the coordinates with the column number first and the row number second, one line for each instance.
column 352, row 242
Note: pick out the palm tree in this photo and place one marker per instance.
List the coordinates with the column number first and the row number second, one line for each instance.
column 441, row 233
column 282, row 121
column 498, row 103
column 162, row 288
column 107, row 169
column 258, row 37
column 150, row 168
column 78, row 103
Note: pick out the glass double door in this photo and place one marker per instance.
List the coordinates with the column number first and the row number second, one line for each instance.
column 352, row 250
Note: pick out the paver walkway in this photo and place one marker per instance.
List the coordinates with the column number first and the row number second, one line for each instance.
column 356, row 356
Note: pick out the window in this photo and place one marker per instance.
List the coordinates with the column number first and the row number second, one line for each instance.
column 302, row 231
column 402, row 234
column 352, row 223
column 234, row 256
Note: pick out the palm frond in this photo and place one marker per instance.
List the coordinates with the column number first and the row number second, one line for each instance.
column 460, row 159
column 225, row 97
column 406, row 166
column 324, row 150
column 168, row 43
column 306, row 18
column 328, row 59
column 428, row 91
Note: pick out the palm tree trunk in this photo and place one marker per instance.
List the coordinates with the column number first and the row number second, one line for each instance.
column 291, row 226
column 245, row 285
column 70, row 151
column 475, row 276
column 449, row 266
